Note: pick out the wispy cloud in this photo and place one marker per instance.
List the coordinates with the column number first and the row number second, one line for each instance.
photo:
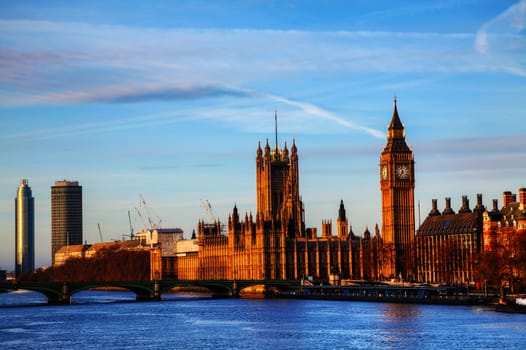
column 509, row 144
column 511, row 21
column 502, row 35
column 311, row 109
column 71, row 63
column 132, row 94
column 484, row 154
column 171, row 166
column 51, row 62
column 299, row 117
column 414, row 9
column 122, row 123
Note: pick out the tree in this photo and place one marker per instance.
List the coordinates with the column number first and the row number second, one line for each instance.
column 504, row 264
column 106, row 265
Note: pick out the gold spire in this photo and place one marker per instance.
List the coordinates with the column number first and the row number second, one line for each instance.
column 277, row 152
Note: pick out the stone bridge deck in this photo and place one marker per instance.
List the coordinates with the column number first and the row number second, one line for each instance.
column 61, row 292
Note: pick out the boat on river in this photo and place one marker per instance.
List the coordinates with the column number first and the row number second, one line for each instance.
column 515, row 305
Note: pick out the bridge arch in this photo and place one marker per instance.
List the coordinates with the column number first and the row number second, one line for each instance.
column 62, row 292
column 53, row 291
column 217, row 288
column 144, row 290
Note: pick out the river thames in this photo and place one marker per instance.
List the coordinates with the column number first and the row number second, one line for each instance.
column 112, row 320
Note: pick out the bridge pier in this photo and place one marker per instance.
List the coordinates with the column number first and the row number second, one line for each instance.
column 156, row 290
column 152, row 295
column 61, row 298
column 235, row 291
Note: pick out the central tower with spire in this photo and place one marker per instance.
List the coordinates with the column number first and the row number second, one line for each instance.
column 277, row 186
column 397, row 183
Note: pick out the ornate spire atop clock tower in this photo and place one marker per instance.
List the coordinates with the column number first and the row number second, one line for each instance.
column 396, row 124
column 396, row 134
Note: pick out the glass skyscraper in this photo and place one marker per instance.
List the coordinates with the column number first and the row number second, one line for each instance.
column 66, row 215
column 25, row 229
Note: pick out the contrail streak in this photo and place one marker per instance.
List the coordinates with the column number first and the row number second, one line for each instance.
column 319, row 112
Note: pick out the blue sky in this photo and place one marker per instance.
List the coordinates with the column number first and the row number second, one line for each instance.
column 169, row 100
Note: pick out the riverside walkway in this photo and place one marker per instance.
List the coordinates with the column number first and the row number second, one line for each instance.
column 392, row 293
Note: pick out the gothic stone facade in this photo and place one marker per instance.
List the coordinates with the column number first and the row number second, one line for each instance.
column 274, row 244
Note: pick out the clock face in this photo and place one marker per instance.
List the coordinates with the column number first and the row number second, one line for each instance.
column 384, row 172
column 402, row 172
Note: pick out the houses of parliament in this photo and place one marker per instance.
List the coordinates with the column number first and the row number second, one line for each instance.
column 465, row 247
column 273, row 243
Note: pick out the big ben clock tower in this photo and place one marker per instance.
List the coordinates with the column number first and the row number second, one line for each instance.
column 397, row 182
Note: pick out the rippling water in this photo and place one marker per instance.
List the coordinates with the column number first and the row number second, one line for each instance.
column 114, row 320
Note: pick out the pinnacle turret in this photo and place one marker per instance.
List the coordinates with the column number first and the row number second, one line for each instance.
column 341, row 212
column 285, row 151
column 259, row 152
column 267, row 149
column 293, row 149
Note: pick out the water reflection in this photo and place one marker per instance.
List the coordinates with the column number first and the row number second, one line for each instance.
column 399, row 323
column 102, row 320
column 400, row 312
column 22, row 297
column 102, row 296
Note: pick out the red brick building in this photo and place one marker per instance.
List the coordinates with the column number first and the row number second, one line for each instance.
column 501, row 225
column 504, row 257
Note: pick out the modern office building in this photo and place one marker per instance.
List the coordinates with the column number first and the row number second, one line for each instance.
column 66, row 215
column 25, row 229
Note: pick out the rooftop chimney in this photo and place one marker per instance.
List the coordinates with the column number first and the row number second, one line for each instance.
column 507, row 197
column 434, row 211
column 522, row 196
column 465, row 205
column 448, row 209
column 479, row 206
column 495, row 206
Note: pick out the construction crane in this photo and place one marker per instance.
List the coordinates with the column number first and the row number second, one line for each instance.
column 205, row 204
column 138, row 212
column 100, row 234
column 153, row 225
column 131, row 227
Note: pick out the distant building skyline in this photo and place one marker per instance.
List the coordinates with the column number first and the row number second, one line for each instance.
column 25, row 229
column 66, row 215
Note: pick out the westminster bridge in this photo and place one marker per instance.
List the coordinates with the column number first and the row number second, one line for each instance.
column 62, row 292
